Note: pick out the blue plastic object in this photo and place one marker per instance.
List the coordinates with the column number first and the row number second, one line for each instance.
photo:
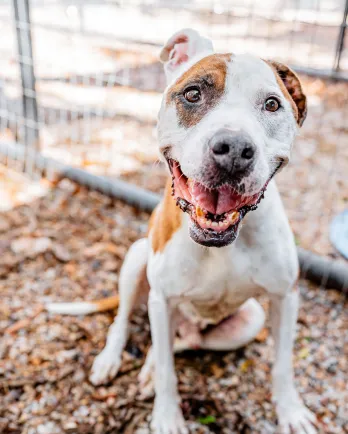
column 339, row 233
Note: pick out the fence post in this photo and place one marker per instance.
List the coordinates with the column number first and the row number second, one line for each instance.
column 26, row 63
column 340, row 39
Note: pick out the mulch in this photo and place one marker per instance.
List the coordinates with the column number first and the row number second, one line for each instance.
column 69, row 245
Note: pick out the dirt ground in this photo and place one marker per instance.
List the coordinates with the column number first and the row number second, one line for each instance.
column 69, row 245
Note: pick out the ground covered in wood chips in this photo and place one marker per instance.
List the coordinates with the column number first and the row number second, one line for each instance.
column 69, row 245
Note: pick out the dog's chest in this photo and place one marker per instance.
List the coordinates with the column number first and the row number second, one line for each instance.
column 215, row 289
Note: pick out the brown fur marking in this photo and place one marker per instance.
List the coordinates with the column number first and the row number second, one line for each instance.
column 291, row 87
column 209, row 74
column 165, row 220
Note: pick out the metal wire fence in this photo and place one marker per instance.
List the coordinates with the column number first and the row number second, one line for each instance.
column 80, row 87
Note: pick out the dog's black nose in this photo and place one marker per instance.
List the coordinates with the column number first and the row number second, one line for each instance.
column 220, row 148
column 233, row 151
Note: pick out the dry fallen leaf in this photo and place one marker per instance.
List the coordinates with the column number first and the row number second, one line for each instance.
column 31, row 247
column 303, row 353
column 244, row 366
column 217, row 371
column 263, row 335
column 60, row 252
column 14, row 328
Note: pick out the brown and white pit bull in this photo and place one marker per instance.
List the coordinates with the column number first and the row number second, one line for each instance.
column 220, row 236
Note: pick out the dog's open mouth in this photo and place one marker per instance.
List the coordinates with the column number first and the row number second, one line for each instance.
column 215, row 213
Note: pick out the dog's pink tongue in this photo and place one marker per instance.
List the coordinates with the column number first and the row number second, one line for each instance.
column 217, row 201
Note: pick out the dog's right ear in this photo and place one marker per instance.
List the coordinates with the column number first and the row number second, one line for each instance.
column 181, row 48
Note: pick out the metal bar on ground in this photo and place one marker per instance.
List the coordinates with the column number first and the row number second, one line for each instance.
column 26, row 63
column 329, row 273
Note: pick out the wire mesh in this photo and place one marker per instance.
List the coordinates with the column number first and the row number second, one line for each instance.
column 97, row 83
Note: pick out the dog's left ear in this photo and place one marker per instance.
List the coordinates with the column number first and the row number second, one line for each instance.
column 181, row 48
column 293, row 87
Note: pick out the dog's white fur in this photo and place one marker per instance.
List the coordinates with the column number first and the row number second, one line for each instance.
column 187, row 278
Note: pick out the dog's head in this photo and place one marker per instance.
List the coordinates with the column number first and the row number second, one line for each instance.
column 226, row 125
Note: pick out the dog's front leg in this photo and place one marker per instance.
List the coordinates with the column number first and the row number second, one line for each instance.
column 167, row 416
column 293, row 416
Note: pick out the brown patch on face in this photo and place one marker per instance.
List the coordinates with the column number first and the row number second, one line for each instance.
column 209, row 75
column 165, row 220
column 291, row 87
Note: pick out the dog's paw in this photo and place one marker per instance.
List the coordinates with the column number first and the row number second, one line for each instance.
column 167, row 418
column 296, row 419
column 105, row 367
column 146, row 385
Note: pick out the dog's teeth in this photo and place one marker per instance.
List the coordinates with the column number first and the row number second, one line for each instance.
column 215, row 224
column 209, row 222
column 234, row 217
column 199, row 211
column 221, row 224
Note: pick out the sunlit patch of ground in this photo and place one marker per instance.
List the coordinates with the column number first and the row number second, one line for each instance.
column 17, row 189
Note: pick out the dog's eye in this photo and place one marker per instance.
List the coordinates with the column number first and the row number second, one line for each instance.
column 192, row 94
column 271, row 104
